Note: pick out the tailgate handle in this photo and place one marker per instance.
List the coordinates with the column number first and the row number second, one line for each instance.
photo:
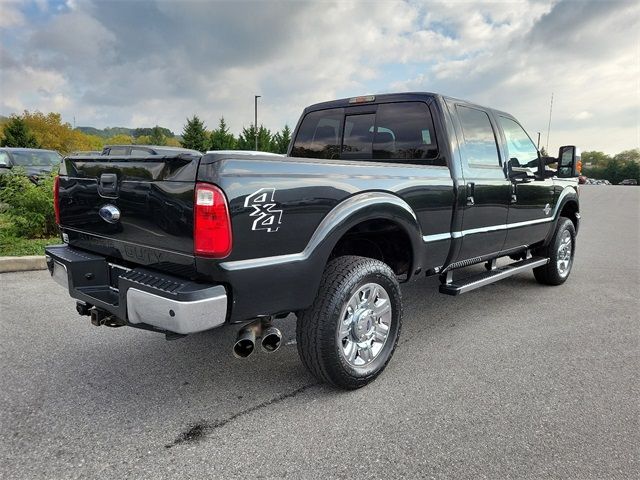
column 108, row 184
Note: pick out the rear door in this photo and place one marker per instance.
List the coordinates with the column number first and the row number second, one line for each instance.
column 486, row 187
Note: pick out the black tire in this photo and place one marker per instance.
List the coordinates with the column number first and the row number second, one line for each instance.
column 550, row 274
column 318, row 327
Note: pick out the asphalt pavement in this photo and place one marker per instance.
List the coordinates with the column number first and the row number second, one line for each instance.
column 514, row 380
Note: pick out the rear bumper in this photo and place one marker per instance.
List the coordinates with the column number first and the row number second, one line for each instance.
column 139, row 296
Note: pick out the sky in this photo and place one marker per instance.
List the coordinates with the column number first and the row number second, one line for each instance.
column 141, row 63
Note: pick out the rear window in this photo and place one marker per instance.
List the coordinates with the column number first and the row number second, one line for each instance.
column 319, row 135
column 397, row 132
column 405, row 131
column 358, row 135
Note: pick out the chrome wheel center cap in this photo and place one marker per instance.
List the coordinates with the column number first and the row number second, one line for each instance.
column 363, row 324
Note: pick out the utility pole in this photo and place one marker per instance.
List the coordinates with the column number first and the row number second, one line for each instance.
column 255, row 124
column 538, row 146
column 549, row 127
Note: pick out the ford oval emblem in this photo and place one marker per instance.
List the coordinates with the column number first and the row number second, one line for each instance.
column 109, row 213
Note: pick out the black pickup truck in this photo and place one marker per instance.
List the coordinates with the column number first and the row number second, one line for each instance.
column 374, row 191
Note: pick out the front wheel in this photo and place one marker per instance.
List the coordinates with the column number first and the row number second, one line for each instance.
column 560, row 252
column 347, row 337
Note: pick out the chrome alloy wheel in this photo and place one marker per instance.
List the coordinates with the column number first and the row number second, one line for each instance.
column 364, row 324
column 564, row 254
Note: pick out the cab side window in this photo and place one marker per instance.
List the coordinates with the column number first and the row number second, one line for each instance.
column 521, row 147
column 480, row 145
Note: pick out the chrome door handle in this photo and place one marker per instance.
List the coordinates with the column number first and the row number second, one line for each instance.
column 471, row 187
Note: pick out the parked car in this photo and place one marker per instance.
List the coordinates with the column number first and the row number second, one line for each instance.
column 629, row 181
column 88, row 153
column 35, row 162
column 374, row 191
column 145, row 150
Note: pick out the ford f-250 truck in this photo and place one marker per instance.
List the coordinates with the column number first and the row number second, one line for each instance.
column 374, row 191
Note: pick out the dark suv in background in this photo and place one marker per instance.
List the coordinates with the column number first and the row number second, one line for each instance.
column 35, row 162
column 144, row 150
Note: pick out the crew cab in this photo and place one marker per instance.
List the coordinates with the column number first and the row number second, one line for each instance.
column 374, row 191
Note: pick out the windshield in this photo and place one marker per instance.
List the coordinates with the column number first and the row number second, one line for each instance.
column 40, row 158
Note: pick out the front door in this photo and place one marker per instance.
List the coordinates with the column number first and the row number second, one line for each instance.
column 532, row 201
column 487, row 189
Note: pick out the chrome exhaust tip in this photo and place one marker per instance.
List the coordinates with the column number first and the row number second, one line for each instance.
column 271, row 339
column 246, row 340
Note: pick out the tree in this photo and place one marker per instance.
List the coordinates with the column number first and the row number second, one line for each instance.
column 119, row 139
column 138, row 132
column 221, row 138
column 17, row 134
column 280, row 141
column 157, row 136
column 628, row 156
column 194, row 135
column 247, row 139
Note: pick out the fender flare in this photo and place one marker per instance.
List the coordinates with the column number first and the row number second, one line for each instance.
column 568, row 195
column 361, row 208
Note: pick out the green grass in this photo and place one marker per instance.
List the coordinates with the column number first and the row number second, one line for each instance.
column 22, row 246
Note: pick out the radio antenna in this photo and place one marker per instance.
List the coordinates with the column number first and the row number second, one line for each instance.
column 549, row 127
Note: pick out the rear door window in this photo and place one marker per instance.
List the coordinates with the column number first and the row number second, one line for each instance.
column 480, row 146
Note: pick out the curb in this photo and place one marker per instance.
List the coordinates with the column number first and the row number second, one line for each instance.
column 22, row 264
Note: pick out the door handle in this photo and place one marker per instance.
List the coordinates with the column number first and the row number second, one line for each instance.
column 471, row 190
column 514, row 197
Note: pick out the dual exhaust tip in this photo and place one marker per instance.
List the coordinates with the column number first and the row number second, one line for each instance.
column 270, row 338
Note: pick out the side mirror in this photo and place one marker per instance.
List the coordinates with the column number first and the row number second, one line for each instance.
column 569, row 162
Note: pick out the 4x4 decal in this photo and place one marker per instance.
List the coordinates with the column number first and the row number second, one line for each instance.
column 263, row 204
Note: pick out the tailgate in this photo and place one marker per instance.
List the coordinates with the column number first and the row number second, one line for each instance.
column 136, row 208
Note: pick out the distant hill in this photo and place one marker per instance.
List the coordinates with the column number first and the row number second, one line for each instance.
column 112, row 131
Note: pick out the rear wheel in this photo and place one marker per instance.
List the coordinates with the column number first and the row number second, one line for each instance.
column 347, row 337
column 560, row 252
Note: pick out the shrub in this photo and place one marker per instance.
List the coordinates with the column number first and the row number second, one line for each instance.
column 27, row 208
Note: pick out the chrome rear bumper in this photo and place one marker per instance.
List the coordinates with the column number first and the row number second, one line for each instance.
column 141, row 297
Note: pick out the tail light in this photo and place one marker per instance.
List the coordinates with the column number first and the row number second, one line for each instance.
column 56, row 198
column 212, row 224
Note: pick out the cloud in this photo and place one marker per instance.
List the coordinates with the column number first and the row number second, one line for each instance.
column 146, row 62
column 10, row 14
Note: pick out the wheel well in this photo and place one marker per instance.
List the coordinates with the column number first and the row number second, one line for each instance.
column 383, row 240
column 569, row 210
